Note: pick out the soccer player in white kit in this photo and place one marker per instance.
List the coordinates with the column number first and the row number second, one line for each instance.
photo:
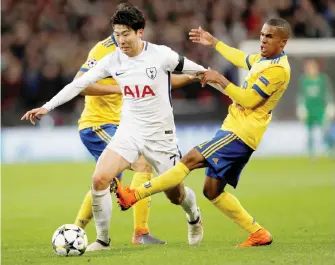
column 143, row 72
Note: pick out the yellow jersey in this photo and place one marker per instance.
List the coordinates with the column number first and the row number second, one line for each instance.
column 100, row 110
column 269, row 77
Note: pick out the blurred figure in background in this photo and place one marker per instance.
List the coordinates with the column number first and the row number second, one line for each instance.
column 315, row 104
column 38, row 32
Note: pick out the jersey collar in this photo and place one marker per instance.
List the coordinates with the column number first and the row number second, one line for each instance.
column 273, row 57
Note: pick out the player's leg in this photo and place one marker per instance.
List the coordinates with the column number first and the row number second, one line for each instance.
column 325, row 126
column 331, row 139
column 95, row 140
column 229, row 205
column 172, row 183
column 310, row 137
column 120, row 153
column 143, row 173
column 169, row 179
column 225, row 163
column 185, row 197
column 109, row 165
column 163, row 155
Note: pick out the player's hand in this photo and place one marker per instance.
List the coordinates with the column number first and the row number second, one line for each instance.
column 203, row 37
column 34, row 115
column 209, row 76
column 301, row 113
column 330, row 111
column 193, row 78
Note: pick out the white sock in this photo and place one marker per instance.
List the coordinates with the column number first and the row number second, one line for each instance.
column 102, row 212
column 189, row 205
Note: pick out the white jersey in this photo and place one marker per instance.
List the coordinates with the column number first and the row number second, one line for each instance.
column 145, row 81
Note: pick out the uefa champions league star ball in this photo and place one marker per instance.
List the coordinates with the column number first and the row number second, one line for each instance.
column 69, row 240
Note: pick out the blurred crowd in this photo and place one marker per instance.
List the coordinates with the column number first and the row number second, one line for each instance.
column 44, row 42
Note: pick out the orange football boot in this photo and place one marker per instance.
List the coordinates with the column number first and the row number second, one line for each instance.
column 126, row 196
column 262, row 237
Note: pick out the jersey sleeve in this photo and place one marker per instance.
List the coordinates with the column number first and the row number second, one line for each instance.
column 269, row 81
column 100, row 71
column 173, row 61
column 236, row 56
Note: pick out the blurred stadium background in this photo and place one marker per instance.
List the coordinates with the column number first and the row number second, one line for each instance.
column 44, row 43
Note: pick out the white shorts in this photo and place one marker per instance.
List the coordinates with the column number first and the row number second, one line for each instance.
column 161, row 155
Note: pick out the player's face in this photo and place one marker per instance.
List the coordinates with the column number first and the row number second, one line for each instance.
column 272, row 43
column 311, row 68
column 128, row 40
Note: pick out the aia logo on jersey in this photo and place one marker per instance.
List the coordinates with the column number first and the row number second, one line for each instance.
column 151, row 72
column 138, row 92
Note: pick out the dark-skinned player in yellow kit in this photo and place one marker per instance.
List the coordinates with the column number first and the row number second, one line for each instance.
column 225, row 155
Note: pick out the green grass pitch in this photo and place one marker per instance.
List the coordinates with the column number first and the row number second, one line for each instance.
column 293, row 198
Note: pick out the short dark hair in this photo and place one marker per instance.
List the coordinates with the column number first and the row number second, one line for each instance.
column 128, row 15
column 282, row 24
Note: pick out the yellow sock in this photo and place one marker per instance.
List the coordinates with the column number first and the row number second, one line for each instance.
column 167, row 180
column 85, row 213
column 230, row 206
column 142, row 208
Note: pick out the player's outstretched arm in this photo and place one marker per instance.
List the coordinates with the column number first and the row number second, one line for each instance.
column 245, row 98
column 178, row 81
column 175, row 62
column 301, row 111
column 76, row 86
column 69, row 91
column 235, row 56
column 98, row 89
column 270, row 80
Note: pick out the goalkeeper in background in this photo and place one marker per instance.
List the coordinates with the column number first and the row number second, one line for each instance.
column 315, row 104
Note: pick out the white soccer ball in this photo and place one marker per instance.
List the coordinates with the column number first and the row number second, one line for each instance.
column 69, row 240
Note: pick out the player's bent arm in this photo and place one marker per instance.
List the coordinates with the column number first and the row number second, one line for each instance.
column 98, row 89
column 235, row 56
column 176, row 62
column 267, row 83
column 178, row 81
column 76, row 86
column 246, row 98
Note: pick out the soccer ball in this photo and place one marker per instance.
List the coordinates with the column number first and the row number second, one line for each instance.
column 69, row 240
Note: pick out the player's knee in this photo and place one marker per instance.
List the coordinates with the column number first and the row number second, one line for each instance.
column 175, row 197
column 141, row 165
column 193, row 159
column 210, row 194
column 177, row 200
column 100, row 181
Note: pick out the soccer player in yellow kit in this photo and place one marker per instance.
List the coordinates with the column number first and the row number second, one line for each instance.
column 98, row 124
column 228, row 152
